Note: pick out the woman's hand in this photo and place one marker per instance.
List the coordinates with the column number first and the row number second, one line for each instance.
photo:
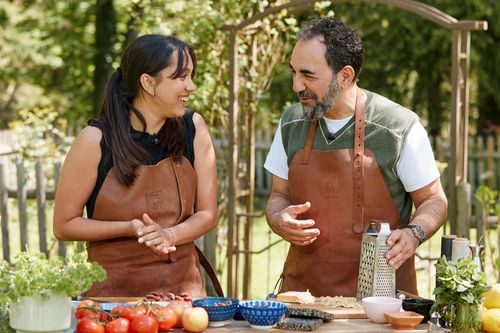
column 159, row 240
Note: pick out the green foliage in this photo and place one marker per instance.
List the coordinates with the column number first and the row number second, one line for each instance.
column 40, row 133
column 4, row 320
column 48, row 54
column 459, row 293
column 487, row 197
column 32, row 273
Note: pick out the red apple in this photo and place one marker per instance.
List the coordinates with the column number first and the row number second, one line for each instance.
column 179, row 307
column 195, row 320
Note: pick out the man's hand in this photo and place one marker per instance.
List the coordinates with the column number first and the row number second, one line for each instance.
column 158, row 239
column 403, row 245
column 285, row 224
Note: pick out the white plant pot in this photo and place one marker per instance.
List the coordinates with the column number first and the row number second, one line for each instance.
column 35, row 313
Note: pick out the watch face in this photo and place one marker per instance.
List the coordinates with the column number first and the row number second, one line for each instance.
column 418, row 231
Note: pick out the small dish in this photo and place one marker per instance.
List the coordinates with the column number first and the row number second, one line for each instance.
column 404, row 320
column 220, row 309
column 262, row 315
column 419, row 305
column 375, row 306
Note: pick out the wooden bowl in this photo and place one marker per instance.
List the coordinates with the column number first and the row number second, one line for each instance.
column 404, row 320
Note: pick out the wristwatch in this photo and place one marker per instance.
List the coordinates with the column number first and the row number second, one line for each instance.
column 417, row 230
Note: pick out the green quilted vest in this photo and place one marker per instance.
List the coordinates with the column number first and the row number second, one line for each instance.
column 387, row 125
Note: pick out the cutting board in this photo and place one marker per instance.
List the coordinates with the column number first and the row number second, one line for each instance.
column 338, row 313
column 117, row 299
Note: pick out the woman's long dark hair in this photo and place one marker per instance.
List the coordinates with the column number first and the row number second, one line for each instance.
column 147, row 54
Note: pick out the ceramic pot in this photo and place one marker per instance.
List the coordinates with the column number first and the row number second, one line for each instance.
column 37, row 313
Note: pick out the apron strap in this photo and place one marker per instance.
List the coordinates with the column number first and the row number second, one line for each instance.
column 309, row 141
column 210, row 271
column 179, row 175
column 358, row 166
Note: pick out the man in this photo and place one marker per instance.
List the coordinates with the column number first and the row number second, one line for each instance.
column 340, row 158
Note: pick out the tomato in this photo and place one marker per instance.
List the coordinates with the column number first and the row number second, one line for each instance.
column 144, row 324
column 89, row 325
column 124, row 311
column 120, row 325
column 142, row 309
column 167, row 319
column 94, row 310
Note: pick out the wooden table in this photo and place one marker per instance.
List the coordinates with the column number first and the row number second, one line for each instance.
column 337, row 325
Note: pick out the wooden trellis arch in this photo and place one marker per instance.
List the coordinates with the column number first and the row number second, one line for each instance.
column 461, row 32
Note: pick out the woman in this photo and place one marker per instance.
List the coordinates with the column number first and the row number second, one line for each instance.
column 145, row 171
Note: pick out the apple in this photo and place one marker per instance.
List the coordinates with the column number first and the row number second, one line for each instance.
column 179, row 307
column 195, row 319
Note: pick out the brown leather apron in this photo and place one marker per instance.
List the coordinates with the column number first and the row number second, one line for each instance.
column 346, row 191
column 166, row 192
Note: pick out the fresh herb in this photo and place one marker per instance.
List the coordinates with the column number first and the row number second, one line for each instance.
column 34, row 273
column 459, row 294
column 4, row 320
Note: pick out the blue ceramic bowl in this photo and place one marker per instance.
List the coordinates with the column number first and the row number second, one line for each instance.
column 216, row 309
column 262, row 314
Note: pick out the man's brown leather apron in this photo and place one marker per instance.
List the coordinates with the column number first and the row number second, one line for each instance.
column 346, row 191
column 166, row 192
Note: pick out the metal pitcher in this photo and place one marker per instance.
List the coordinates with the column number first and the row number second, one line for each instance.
column 376, row 277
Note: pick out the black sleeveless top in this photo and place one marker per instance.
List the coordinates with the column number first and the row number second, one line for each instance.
column 148, row 142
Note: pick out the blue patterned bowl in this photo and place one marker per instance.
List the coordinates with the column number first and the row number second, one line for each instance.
column 217, row 309
column 262, row 314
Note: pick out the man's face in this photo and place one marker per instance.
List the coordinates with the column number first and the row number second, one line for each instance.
column 313, row 79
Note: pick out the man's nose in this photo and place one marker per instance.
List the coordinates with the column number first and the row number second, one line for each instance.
column 298, row 85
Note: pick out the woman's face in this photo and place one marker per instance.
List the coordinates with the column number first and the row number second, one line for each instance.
column 171, row 95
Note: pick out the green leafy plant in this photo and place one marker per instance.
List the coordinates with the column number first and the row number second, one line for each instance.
column 487, row 198
column 459, row 294
column 4, row 320
column 34, row 273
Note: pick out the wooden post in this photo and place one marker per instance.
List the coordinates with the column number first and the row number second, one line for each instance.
column 481, row 221
column 22, row 205
column 209, row 245
column 459, row 121
column 247, row 265
column 40, row 204
column 490, row 144
column 463, row 210
column 233, row 163
column 4, row 211
column 61, row 246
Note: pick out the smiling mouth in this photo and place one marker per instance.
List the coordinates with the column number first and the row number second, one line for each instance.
column 183, row 99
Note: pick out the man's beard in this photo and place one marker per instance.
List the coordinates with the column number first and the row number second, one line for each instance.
column 321, row 107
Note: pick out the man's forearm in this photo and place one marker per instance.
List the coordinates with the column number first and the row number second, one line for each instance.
column 431, row 214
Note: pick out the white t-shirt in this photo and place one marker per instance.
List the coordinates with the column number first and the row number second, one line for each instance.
column 415, row 168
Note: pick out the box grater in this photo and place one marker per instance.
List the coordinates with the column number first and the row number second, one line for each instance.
column 376, row 277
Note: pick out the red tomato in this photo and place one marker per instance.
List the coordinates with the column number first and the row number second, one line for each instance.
column 120, row 325
column 142, row 309
column 94, row 311
column 144, row 324
column 89, row 325
column 124, row 311
column 167, row 318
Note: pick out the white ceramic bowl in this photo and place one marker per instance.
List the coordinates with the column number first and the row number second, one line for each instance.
column 375, row 307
